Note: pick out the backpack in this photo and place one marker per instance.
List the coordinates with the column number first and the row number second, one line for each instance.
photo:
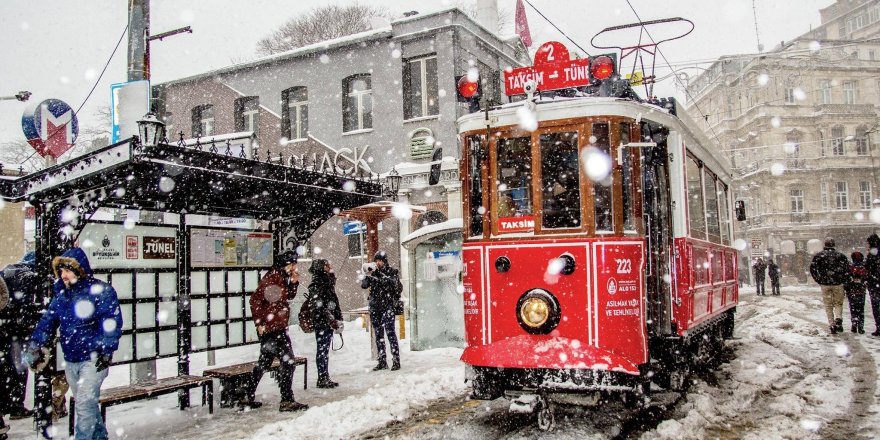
column 305, row 316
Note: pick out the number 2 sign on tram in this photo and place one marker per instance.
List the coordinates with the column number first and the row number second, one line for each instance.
column 50, row 127
column 553, row 69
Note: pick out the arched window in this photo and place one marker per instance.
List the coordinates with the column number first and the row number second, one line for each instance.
column 430, row 218
column 357, row 102
column 295, row 112
column 861, row 141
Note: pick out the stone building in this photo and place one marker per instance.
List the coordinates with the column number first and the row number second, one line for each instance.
column 363, row 104
column 800, row 127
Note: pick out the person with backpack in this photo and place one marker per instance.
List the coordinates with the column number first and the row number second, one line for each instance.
column 855, row 292
column 385, row 288
column 872, row 267
column 326, row 316
column 830, row 269
column 17, row 321
column 773, row 273
column 270, row 309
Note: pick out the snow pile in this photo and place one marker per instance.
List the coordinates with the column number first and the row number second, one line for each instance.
column 383, row 403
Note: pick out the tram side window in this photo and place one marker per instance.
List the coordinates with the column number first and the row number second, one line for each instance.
column 514, row 182
column 696, row 215
column 627, row 173
column 602, row 190
column 561, row 186
column 724, row 209
column 711, row 193
column 475, row 176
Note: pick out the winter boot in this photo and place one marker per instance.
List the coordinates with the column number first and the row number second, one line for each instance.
column 839, row 324
column 20, row 413
column 861, row 329
column 833, row 329
column 291, row 405
column 876, row 333
column 854, row 328
column 381, row 366
column 327, row 383
column 395, row 365
column 249, row 404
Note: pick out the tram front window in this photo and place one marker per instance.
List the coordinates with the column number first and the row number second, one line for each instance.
column 561, row 187
column 514, row 180
column 602, row 190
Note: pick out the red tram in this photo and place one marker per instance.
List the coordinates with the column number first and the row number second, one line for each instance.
column 597, row 254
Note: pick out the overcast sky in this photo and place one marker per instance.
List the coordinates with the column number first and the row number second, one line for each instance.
column 56, row 49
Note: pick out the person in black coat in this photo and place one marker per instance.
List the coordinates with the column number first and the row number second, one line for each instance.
column 855, row 292
column 773, row 273
column 384, row 285
column 326, row 316
column 760, row 269
column 830, row 269
column 17, row 322
column 872, row 267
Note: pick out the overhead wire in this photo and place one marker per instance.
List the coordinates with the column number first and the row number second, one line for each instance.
column 86, row 99
column 557, row 28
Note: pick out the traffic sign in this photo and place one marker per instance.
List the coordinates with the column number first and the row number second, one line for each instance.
column 353, row 228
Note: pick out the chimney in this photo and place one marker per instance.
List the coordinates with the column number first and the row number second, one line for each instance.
column 487, row 14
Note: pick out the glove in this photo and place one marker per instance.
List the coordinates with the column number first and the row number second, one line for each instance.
column 31, row 357
column 337, row 326
column 103, row 362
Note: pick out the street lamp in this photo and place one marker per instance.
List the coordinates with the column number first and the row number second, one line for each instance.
column 20, row 96
column 392, row 181
column 151, row 129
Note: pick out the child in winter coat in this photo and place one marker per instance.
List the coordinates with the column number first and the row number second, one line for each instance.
column 855, row 292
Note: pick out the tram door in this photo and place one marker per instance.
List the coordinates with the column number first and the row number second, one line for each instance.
column 658, row 231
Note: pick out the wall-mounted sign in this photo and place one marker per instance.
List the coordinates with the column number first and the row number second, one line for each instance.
column 131, row 247
column 230, row 247
column 421, row 141
column 50, row 127
column 354, row 228
column 129, row 102
column 157, row 248
column 113, row 246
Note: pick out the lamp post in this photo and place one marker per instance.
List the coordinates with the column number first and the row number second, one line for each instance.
column 151, row 130
column 20, row 96
column 392, row 181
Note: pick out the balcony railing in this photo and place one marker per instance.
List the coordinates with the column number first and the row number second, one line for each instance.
column 845, row 109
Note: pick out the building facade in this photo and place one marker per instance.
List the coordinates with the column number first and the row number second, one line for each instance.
column 361, row 104
column 799, row 124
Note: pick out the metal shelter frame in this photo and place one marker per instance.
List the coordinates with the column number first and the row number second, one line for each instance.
column 180, row 179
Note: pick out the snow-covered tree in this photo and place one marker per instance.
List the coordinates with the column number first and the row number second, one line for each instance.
column 320, row 24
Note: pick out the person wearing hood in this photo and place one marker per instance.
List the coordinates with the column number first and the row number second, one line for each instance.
column 385, row 287
column 830, row 269
column 86, row 312
column 855, row 292
column 773, row 273
column 270, row 308
column 17, row 322
column 326, row 316
column 872, row 267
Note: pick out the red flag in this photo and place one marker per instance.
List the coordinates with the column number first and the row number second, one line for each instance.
column 522, row 24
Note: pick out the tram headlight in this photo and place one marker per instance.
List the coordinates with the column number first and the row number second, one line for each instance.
column 538, row 311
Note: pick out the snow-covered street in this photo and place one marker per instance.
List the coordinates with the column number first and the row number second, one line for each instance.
column 785, row 377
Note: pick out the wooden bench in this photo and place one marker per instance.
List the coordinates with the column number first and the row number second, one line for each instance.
column 233, row 379
column 140, row 391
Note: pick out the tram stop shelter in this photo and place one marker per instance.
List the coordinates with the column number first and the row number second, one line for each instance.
column 204, row 308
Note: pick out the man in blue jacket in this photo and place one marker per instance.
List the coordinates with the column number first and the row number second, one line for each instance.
column 86, row 311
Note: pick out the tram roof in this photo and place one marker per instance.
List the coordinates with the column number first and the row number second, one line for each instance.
column 171, row 178
column 560, row 108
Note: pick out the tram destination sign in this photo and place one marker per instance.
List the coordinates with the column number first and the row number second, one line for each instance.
column 553, row 69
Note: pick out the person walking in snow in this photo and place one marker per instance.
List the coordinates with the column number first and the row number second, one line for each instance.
column 773, row 273
column 855, row 292
column 830, row 269
column 326, row 316
column 872, row 267
column 86, row 312
column 385, row 288
column 17, row 322
column 270, row 309
column 760, row 269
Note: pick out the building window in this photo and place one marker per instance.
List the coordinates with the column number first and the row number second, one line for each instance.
column 825, row 90
column 797, row 200
column 861, row 141
column 841, row 195
column 203, row 120
column 837, row 141
column 247, row 114
column 822, row 146
column 357, row 245
column 823, row 191
column 357, row 103
column 865, row 195
column 849, row 92
column 871, row 55
column 420, row 89
column 295, row 112
column 789, row 95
